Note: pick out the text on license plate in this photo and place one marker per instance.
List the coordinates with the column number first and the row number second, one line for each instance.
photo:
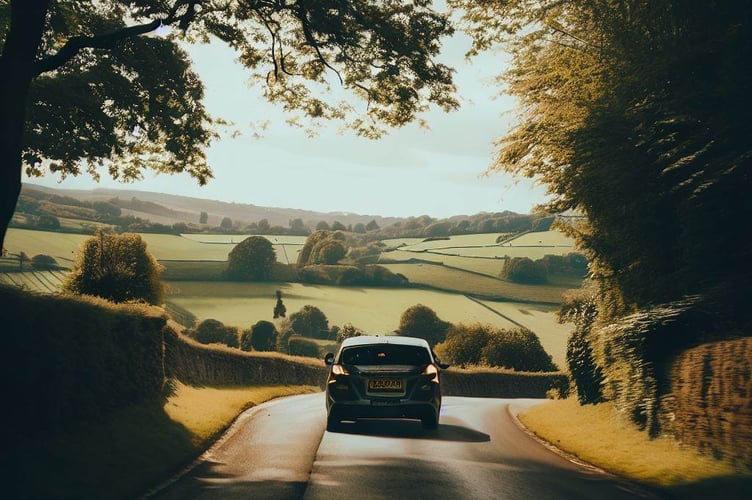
column 385, row 385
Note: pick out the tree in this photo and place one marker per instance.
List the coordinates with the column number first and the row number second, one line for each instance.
column 263, row 336
column 117, row 267
column 322, row 226
column 263, row 226
column 298, row 227
column 359, row 228
column 138, row 105
column 48, row 222
column 329, row 251
column 203, row 218
column 633, row 116
column 421, row 321
column 348, row 331
column 372, row 226
column 212, row 331
column 226, row 223
column 280, row 311
column 251, row 259
column 310, row 321
column 338, row 226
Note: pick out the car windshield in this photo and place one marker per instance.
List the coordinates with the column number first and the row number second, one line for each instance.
column 385, row 354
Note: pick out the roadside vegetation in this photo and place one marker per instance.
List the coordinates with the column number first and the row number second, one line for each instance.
column 599, row 435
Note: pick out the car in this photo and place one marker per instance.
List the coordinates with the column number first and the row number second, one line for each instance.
column 383, row 376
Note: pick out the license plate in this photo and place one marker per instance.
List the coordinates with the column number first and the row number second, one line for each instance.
column 385, row 385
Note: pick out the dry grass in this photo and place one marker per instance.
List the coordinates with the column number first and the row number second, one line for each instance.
column 596, row 434
column 206, row 411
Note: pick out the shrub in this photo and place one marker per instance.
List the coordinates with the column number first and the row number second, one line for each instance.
column 245, row 340
column 524, row 270
column 347, row 331
column 421, row 321
column 310, row 321
column 518, row 349
column 48, row 222
column 464, row 344
column 43, row 262
column 117, row 267
column 586, row 374
column 301, row 346
column 263, row 336
column 212, row 331
column 329, row 251
column 251, row 259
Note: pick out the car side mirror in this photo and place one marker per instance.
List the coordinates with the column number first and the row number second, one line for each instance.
column 443, row 365
column 329, row 358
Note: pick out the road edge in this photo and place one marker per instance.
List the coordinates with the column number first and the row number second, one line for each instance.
column 643, row 490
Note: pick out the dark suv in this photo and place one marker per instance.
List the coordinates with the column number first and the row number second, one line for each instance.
column 383, row 377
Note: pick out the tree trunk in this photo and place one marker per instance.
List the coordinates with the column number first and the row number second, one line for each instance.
column 16, row 73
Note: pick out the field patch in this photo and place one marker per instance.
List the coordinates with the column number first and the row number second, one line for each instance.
column 374, row 310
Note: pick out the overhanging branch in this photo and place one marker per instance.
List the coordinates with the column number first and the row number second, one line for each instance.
column 77, row 43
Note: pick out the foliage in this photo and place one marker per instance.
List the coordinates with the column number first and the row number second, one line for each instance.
column 226, row 223
column 310, row 321
column 477, row 344
column 212, row 331
column 348, row 331
column 203, row 218
column 263, row 336
column 116, row 267
column 633, row 117
column 301, row 346
column 464, row 344
column 580, row 308
column 518, row 349
column 48, row 222
column 524, row 270
column 251, row 259
column 41, row 261
column 422, row 322
column 329, row 252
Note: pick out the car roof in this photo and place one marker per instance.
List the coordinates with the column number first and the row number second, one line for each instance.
column 384, row 339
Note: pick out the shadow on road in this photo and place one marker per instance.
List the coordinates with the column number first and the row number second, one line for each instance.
column 411, row 429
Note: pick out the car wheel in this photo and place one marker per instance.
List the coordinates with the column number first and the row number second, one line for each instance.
column 430, row 422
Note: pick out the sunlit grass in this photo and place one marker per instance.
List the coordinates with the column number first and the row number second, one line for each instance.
column 205, row 411
column 598, row 435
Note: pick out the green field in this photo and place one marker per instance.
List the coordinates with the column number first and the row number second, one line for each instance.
column 63, row 246
column 35, row 281
column 374, row 310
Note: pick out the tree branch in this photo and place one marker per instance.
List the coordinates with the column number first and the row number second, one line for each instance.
column 77, row 43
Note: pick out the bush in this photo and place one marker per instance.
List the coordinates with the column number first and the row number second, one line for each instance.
column 117, row 267
column 524, row 270
column 464, row 344
column 311, row 322
column 251, row 259
column 586, row 374
column 43, row 262
column 348, row 331
column 422, row 322
column 518, row 349
column 212, row 331
column 48, row 222
column 301, row 346
column 245, row 340
column 329, row 251
column 263, row 336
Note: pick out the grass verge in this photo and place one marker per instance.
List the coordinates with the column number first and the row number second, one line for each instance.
column 135, row 450
column 598, row 435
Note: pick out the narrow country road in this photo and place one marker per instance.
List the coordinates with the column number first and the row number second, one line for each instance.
column 279, row 450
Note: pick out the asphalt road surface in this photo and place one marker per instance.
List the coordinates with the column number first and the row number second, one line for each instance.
column 279, row 450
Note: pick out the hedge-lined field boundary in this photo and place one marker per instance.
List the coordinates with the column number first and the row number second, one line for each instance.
column 72, row 360
column 710, row 402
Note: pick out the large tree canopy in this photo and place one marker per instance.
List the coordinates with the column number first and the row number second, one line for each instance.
column 82, row 88
column 635, row 113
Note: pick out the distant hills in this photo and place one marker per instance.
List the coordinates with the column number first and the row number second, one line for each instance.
column 167, row 208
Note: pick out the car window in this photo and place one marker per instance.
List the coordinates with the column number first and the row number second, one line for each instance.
column 385, row 354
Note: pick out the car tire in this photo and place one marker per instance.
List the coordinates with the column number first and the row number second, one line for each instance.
column 430, row 422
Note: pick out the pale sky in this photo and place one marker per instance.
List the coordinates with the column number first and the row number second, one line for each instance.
column 410, row 172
